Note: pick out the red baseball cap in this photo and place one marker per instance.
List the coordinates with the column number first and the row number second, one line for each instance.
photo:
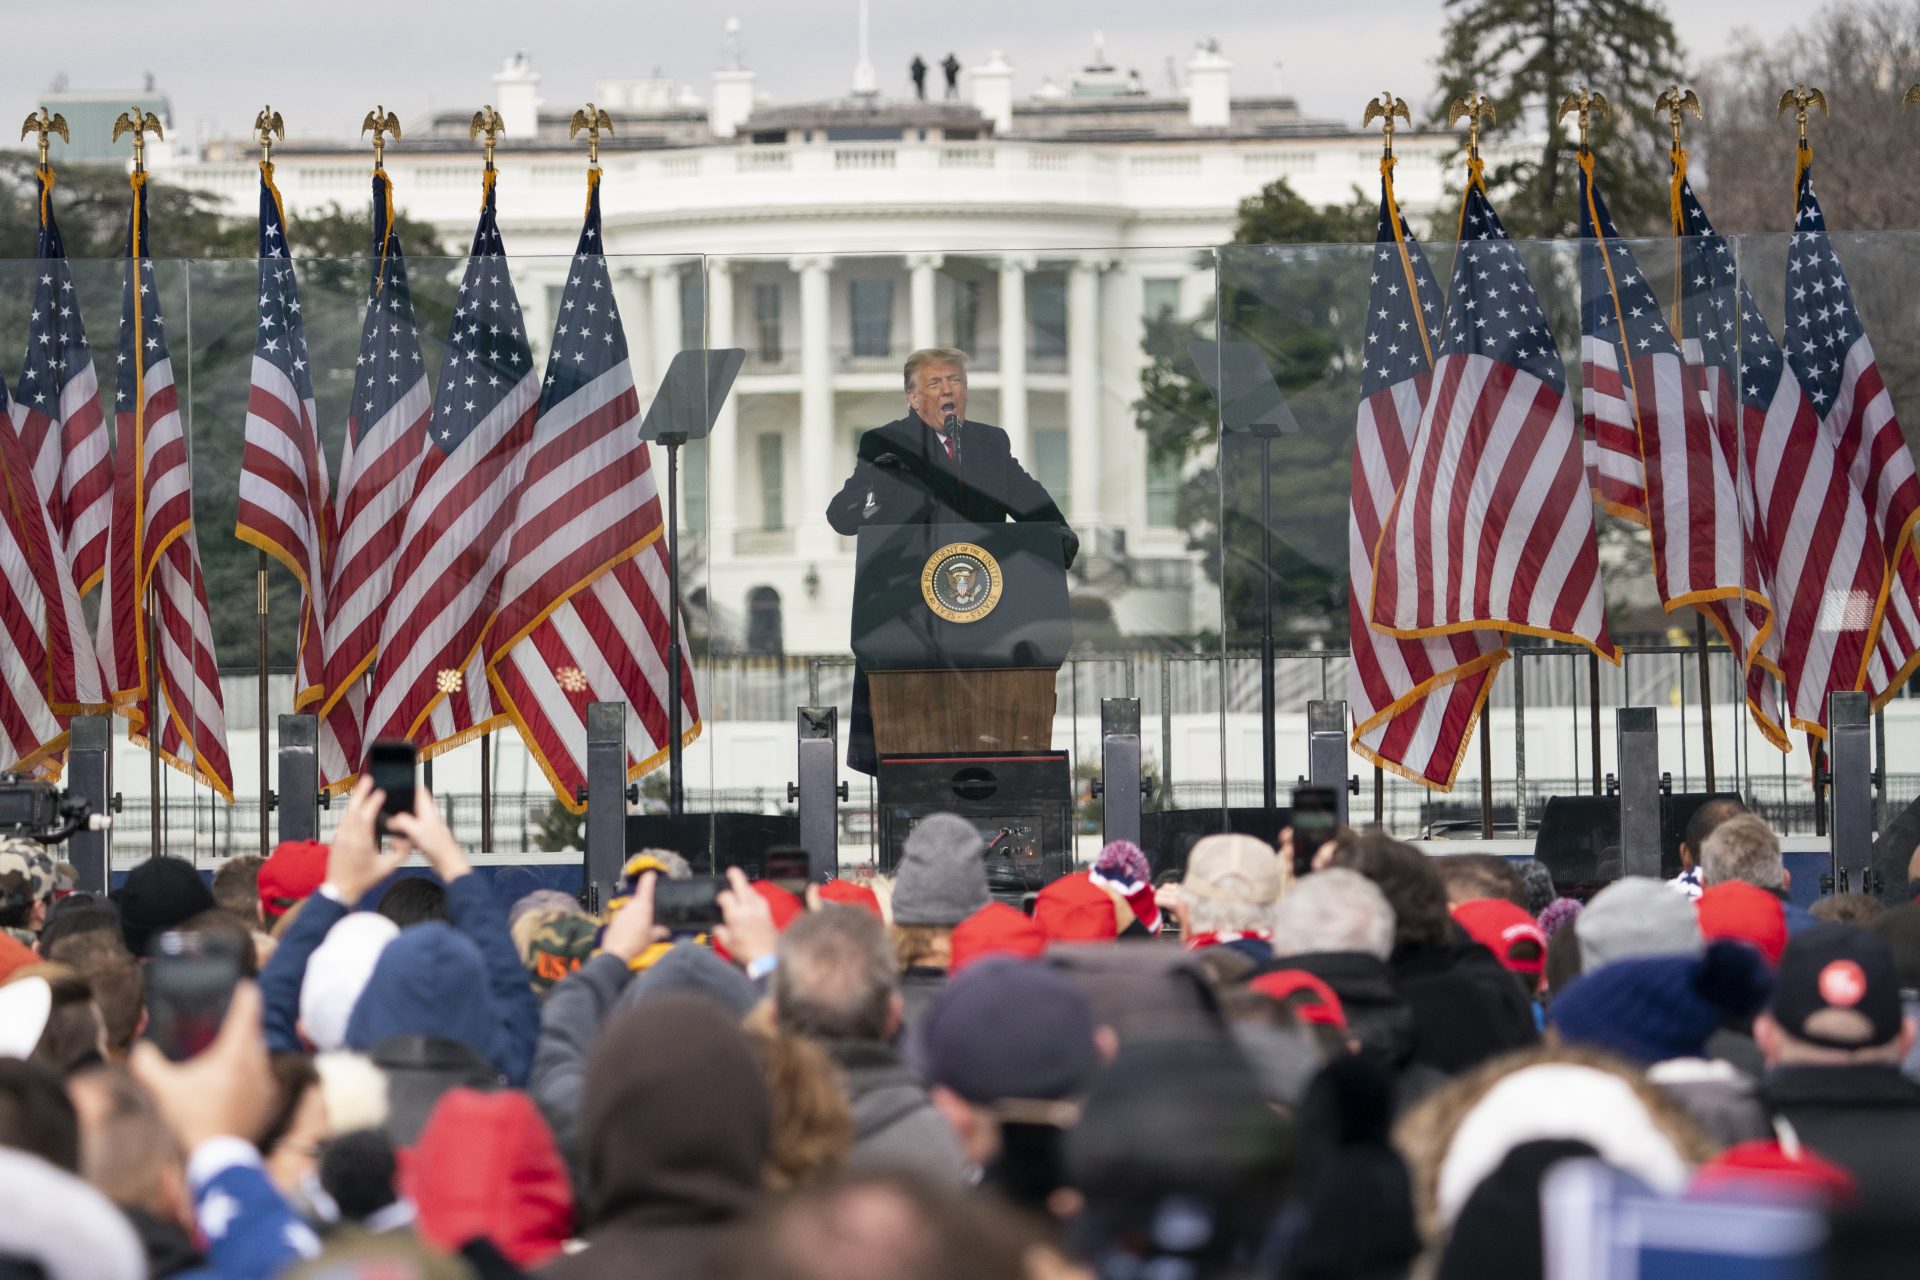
column 995, row 930
column 1323, row 1009
column 295, row 869
column 1746, row 913
column 1502, row 928
column 1075, row 909
column 849, row 894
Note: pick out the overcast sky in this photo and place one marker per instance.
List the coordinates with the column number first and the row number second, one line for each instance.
column 323, row 65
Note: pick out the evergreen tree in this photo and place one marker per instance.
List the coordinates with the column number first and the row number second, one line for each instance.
column 1300, row 306
column 1527, row 56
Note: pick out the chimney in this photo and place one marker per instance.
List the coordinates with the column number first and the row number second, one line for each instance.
column 993, row 92
column 732, row 89
column 1209, row 88
column 732, row 101
column 516, row 95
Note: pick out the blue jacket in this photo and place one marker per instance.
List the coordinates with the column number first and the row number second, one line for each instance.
column 492, row 1008
column 252, row 1233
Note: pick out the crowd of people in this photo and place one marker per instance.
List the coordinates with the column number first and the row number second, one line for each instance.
column 1360, row 1062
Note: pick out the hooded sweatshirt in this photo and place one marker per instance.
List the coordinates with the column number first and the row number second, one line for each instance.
column 677, row 1123
column 429, row 981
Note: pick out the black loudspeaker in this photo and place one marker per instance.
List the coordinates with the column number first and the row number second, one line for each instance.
column 1891, row 854
column 1579, row 836
column 1169, row 835
column 742, row 838
column 1022, row 805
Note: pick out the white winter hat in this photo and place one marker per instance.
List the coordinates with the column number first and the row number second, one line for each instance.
column 1564, row 1101
column 337, row 973
column 25, row 1006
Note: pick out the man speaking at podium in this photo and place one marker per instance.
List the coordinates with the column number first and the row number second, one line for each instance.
column 934, row 467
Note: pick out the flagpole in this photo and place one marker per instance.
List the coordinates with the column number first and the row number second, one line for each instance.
column 260, row 589
column 1674, row 102
column 153, row 718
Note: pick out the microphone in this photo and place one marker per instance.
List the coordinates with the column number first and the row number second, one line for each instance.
column 952, row 428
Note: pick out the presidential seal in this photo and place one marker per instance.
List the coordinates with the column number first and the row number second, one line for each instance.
column 961, row 582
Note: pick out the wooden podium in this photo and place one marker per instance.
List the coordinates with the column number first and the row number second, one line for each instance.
column 961, row 629
column 962, row 712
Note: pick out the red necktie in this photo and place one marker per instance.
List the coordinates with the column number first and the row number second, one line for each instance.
column 947, row 440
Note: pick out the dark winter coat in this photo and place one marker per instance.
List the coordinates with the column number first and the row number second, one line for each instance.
column 1865, row 1118
column 1466, row 1007
column 676, row 1122
column 921, row 485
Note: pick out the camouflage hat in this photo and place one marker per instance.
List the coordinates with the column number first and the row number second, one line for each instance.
column 26, row 872
column 558, row 946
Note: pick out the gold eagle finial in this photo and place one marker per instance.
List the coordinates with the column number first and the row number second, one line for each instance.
column 1587, row 104
column 266, row 127
column 1675, row 102
column 1800, row 98
column 46, row 123
column 1473, row 108
column 138, row 123
column 1907, row 99
column 381, row 122
column 487, row 122
column 1386, row 107
column 595, row 121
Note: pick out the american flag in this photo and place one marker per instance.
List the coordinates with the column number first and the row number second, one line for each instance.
column 57, row 411
column 430, row 682
column 1828, row 348
column 1807, row 525
column 283, row 505
column 1414, row 702
column 583, row 613
column 1492, row 529
column 386, row 432
column 153, row 559
column 1641, row 388
column 37, row 653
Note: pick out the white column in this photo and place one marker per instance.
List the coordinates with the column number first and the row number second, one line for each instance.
column 1013, row 354
column 817, row 454
column 723, row 447
column 666, row 323
column 1083, row 389
column 922, row 326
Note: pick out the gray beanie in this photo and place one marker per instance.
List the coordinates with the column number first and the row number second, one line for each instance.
column 1636, row 916
column 943, row 877
column 688, row 968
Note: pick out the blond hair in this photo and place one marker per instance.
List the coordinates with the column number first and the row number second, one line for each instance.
column 934, row 355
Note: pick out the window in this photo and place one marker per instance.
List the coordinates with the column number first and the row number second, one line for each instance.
column 766, row 322
column 1161, row 298
column 1163, row 492
column 763, row 620
column 871, row 302
column 1052, row 462
column 693, row 312
column 772, row 489
column 966, row 314
column 1047, row 308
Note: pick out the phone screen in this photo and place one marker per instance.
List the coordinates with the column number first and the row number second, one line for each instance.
column 391, row 765
column 1316, row 816
column 190, row 980
column 788, row 867
column 687, row 906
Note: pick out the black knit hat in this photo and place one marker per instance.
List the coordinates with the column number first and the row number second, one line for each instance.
column 1837, row 987
column 159, row 894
